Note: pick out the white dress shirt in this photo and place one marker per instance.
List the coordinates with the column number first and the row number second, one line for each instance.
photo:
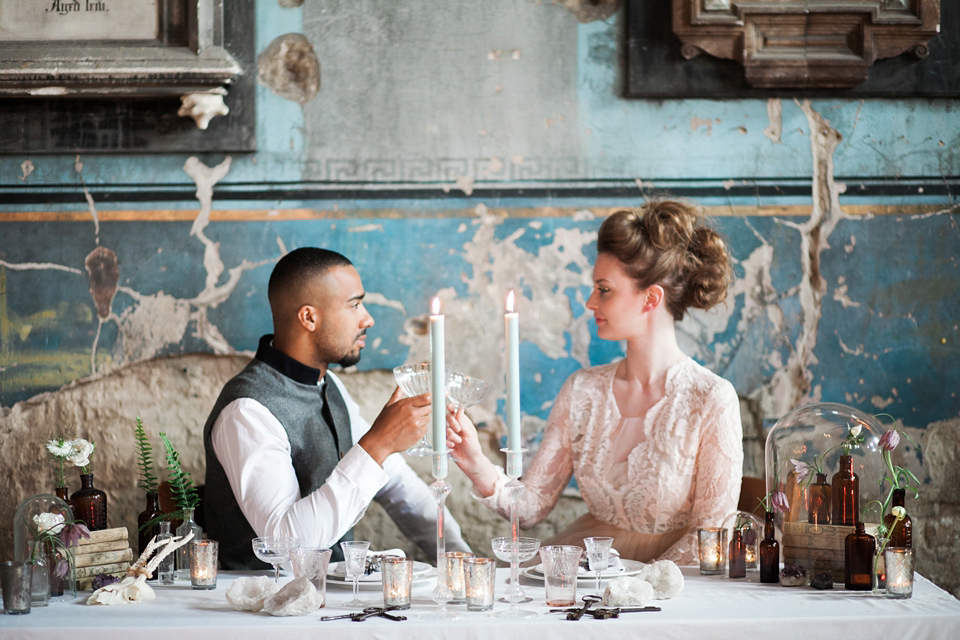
column 253, row 448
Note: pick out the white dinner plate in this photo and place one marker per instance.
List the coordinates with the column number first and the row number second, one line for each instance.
column 629, row 568
column 336, row 576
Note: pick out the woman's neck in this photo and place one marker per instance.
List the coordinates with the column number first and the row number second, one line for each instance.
column 650, row 356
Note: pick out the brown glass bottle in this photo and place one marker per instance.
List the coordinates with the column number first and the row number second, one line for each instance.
column 769, row 552
column 902, row 534
column 818, row 501
column 845, row 494
column 152, row 511
column 738, row 556
column 90, row 504
column 858, row 551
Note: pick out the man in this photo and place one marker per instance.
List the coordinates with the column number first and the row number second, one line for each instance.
column 287, row 451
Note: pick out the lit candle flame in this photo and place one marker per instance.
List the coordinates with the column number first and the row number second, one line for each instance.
column 510, row 301
column 435, row 307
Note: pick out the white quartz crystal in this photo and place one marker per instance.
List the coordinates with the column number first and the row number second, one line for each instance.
column 666, row 578
column 628, row 591
column 297, row 598
column 248, row 594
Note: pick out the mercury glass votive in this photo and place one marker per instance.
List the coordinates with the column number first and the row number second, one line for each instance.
column 479, row 578
column 16, row 578
column 397, row 581
column 203, row 564
column 898, row 563
column 712, row 550
column 455, row 578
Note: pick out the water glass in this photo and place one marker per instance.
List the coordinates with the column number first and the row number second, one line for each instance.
column 898, row 563
column 16, row 578
column 479, row 579
column 712, row 550
column 311, row 563
column 397, row 581
column 454, row 575
column 560, row 566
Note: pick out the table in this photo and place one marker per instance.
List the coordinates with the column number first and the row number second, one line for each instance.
column 708, row 607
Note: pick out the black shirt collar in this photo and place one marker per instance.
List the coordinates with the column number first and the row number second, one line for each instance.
column 293, row 369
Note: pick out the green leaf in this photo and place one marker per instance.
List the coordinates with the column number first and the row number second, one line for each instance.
column 184, row 492
column 148, row 481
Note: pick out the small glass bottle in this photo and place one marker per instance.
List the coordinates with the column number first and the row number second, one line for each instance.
column 738, row 556
column 90, row 504
column 40, row 580
column 845, row 494
column 818, row 501
column 902, row 534
column 183, row 552
column 769, row 552
column 165, row 573
column 858, row 550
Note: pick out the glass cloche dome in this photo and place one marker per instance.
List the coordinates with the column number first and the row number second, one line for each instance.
column 803, row 454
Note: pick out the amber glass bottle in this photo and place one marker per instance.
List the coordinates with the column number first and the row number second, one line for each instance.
column 858, row 551
column 902, row 534
column 818, row 501
column 151, row 512
column 769, row 552
column 845, row 494
column 738, row 556
column 90, row 504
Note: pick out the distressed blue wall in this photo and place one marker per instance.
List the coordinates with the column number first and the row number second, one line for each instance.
column 435, row 117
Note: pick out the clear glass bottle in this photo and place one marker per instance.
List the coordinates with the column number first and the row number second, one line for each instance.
column 165, row 571
column 40, row 582
column 183, row 552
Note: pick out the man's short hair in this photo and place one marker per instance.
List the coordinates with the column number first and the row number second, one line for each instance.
column 300, row 266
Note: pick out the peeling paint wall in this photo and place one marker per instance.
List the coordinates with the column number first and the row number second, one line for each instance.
column 453, row 150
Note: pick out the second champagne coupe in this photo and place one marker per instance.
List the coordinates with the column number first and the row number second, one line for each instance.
column 275, row 550
column 504, row 550
column 354, row 563
column 414, row 380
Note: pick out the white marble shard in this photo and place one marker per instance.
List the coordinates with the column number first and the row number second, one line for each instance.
column 297, row 598
column 248, row 594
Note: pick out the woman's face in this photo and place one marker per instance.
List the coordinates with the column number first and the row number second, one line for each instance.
column 616, row 302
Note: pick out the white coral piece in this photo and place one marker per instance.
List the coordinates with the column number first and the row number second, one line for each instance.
column 297, row 598
column 248, row 594
column 666, row 578
column 628, row 591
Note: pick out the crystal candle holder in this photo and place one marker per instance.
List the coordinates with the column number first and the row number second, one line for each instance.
column 898, row 563
column 455, row 577
column 712, row 550
column 203, row 564
column 479, row 579
column 397, row 581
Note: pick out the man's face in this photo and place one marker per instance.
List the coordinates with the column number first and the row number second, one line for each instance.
column 341, row 331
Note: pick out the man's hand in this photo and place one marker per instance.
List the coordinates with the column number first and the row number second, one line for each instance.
column 401, row 423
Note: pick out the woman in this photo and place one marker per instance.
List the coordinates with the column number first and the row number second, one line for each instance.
column 655, row 439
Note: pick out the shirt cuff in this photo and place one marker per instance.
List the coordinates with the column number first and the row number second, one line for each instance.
column 364, row 471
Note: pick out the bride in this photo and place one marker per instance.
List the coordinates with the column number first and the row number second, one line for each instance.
column 654, row 440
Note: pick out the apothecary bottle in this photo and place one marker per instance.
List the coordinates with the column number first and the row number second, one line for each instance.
column 818, row 501
column 769, row 552
column 902, row 534
column 151, row 512
column 90, row 504
column 183, row 552
column 165, row 571
column 845, row 494
column 858, row 551
column 738, row 556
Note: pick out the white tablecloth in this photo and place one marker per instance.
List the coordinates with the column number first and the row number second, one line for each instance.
column 708, row 607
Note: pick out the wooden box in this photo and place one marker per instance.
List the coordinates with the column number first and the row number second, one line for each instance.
column 818, row 548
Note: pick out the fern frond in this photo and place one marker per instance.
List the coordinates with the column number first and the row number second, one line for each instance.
column 148, row 481
column 184, row 492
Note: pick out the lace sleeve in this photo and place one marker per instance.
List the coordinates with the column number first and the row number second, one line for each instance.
column 719, row 470
column 549, row 472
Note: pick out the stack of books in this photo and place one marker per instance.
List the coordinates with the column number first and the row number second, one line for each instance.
column 105, row 552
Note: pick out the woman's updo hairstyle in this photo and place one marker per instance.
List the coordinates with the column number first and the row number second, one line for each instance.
column 667, row 244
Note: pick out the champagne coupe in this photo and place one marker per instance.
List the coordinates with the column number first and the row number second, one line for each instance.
column 465, row 390
column 504, row 550
column 414, row 380
column 598, row 556
column 275, row 550
column 354, row 563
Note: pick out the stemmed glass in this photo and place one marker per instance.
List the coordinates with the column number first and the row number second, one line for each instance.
column 504, row 550
column 354, row 563
column 465, row 390
column 275, row 550
column 598, row 556
column 414, row 379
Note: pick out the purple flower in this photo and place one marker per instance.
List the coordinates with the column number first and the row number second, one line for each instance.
column 62, row 568
column 802, row 469
column 71, row 534
column 890, row 440
column 780, row 502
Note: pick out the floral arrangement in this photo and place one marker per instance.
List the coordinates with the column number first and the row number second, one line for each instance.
column 775, row 500
column 77, row 452
column 897, row 476
column 805, row 470
column 55, row 534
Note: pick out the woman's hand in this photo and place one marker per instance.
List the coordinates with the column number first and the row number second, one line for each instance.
column 463, row 439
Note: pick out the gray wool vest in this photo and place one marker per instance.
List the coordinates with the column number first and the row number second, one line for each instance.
column 289, row 390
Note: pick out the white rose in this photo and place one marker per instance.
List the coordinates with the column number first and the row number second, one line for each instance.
column 855, row 431
column 80, row 452
column 49, row 521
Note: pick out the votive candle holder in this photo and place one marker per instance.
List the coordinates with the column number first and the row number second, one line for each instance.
column 479, row 578
column 898, row 564
column 712, row 550
column 397, row 581
column 455, row 578
column 203, row 564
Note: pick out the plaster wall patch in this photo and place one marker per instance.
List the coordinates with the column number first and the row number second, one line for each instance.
column 775, row 116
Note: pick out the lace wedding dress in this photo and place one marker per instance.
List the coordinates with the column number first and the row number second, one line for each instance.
column 648, row 481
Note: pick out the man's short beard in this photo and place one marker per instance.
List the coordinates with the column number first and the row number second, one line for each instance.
column 350, row 359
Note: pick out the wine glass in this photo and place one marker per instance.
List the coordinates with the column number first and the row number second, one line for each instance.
column 275, row 550
column 598, row 556
column 504, row 550
column 415, row 379
column 354, row 563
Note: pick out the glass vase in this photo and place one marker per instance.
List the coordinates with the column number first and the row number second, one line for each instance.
column 818, row 501
column 183, row 552
column 858, row 560
column 769, row 552
column 40, row 580
column 738, row 556
column 90, row 504
column 152, row 511
column 25, row 532
column 845, row 494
